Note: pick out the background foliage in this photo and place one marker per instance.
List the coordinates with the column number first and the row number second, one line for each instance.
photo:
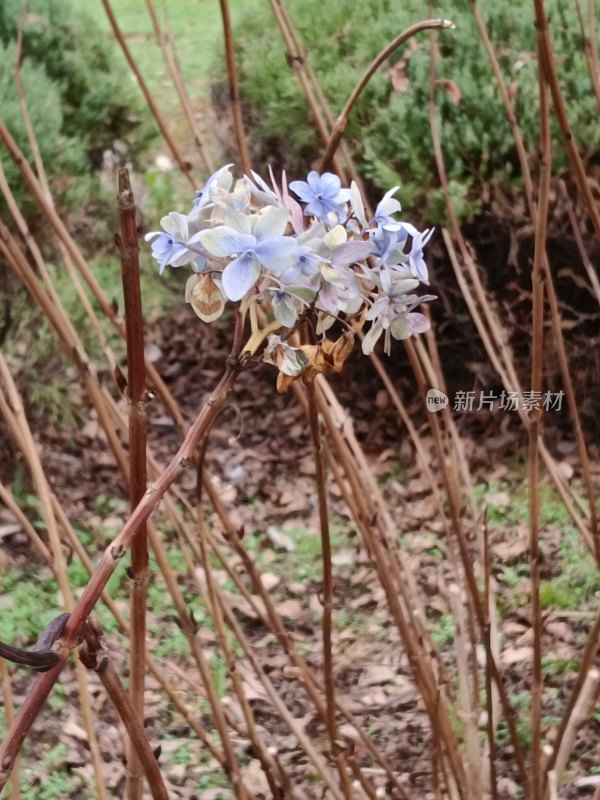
column 389, row 131
column 80, row 99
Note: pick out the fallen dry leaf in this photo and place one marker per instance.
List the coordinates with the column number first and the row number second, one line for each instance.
column 280, row 539
column 255, row 779
column 290, row 608
column 513, row 655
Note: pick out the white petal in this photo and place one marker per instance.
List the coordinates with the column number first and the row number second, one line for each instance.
column 335, row 237
column 284, row 311
column 370, row 340
column 272, row 222
column 357, row 204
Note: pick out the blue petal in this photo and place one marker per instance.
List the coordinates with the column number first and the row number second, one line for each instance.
column 303, row 190
column 277, row 253
column 224, row 241
column 314, row 181
column 240, row 276
column 330, row 184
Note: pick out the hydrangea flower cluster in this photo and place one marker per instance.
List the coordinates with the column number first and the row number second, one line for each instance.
column 249, row 242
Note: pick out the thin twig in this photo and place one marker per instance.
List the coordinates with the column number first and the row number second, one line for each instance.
column 547, row 63
column 62, row 234
column 165, row 43
column 487, row 643
column 213, row 602
column 589, row 47
column 556, row 321
column 469, row 716
column 538, row 280
column 342, row 120
column 582, row 711
column 588, row 266
column 9, row 711
column 77, row 354
column 395, row 587
column 587, row 664
column 327, row 600
column 12, row 409
column 321, row 115
column 234, row 90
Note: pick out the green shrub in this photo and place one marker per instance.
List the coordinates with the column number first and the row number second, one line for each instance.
column 389, row 131
column 79, row 93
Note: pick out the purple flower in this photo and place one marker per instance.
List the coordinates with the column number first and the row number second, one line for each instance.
column 323, row 195
column 164, row 248
column 416, row 262
column 386, row 207
column 169, row 247
column 251, row 241
column 401, row 326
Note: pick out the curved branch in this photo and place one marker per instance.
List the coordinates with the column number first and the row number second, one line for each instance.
column 342, row 120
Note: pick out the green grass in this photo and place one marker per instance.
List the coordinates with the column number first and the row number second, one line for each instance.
column 197, row 32
column 578, row 578
column 557, row 668
column 575, row 575
column 31, row 611
column 303, row 563
column 56, row 782
column 442, row 629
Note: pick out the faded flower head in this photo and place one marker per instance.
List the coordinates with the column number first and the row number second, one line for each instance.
column 252, row 243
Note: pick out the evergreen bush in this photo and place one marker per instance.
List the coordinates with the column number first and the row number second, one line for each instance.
column 389, row 131
column 78, row 90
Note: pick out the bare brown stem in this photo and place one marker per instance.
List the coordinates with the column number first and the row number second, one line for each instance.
column 328, row 667
column 136, row 389
column 76, row 351
column 35, row 150
column 9, row 710
column 582, row 711
column 587, row 663
column 588, row 44
column 94, row 657
column 548, row 65
column 47, row 209
column 214, row 604
column 234, row 90
column 78, row 549
column 317, row 103
column 556, row 322
column 402, row 609
column 462, row 647
column 588, row 266
column 12, row 410
column 538, row 283
column 487, row 643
